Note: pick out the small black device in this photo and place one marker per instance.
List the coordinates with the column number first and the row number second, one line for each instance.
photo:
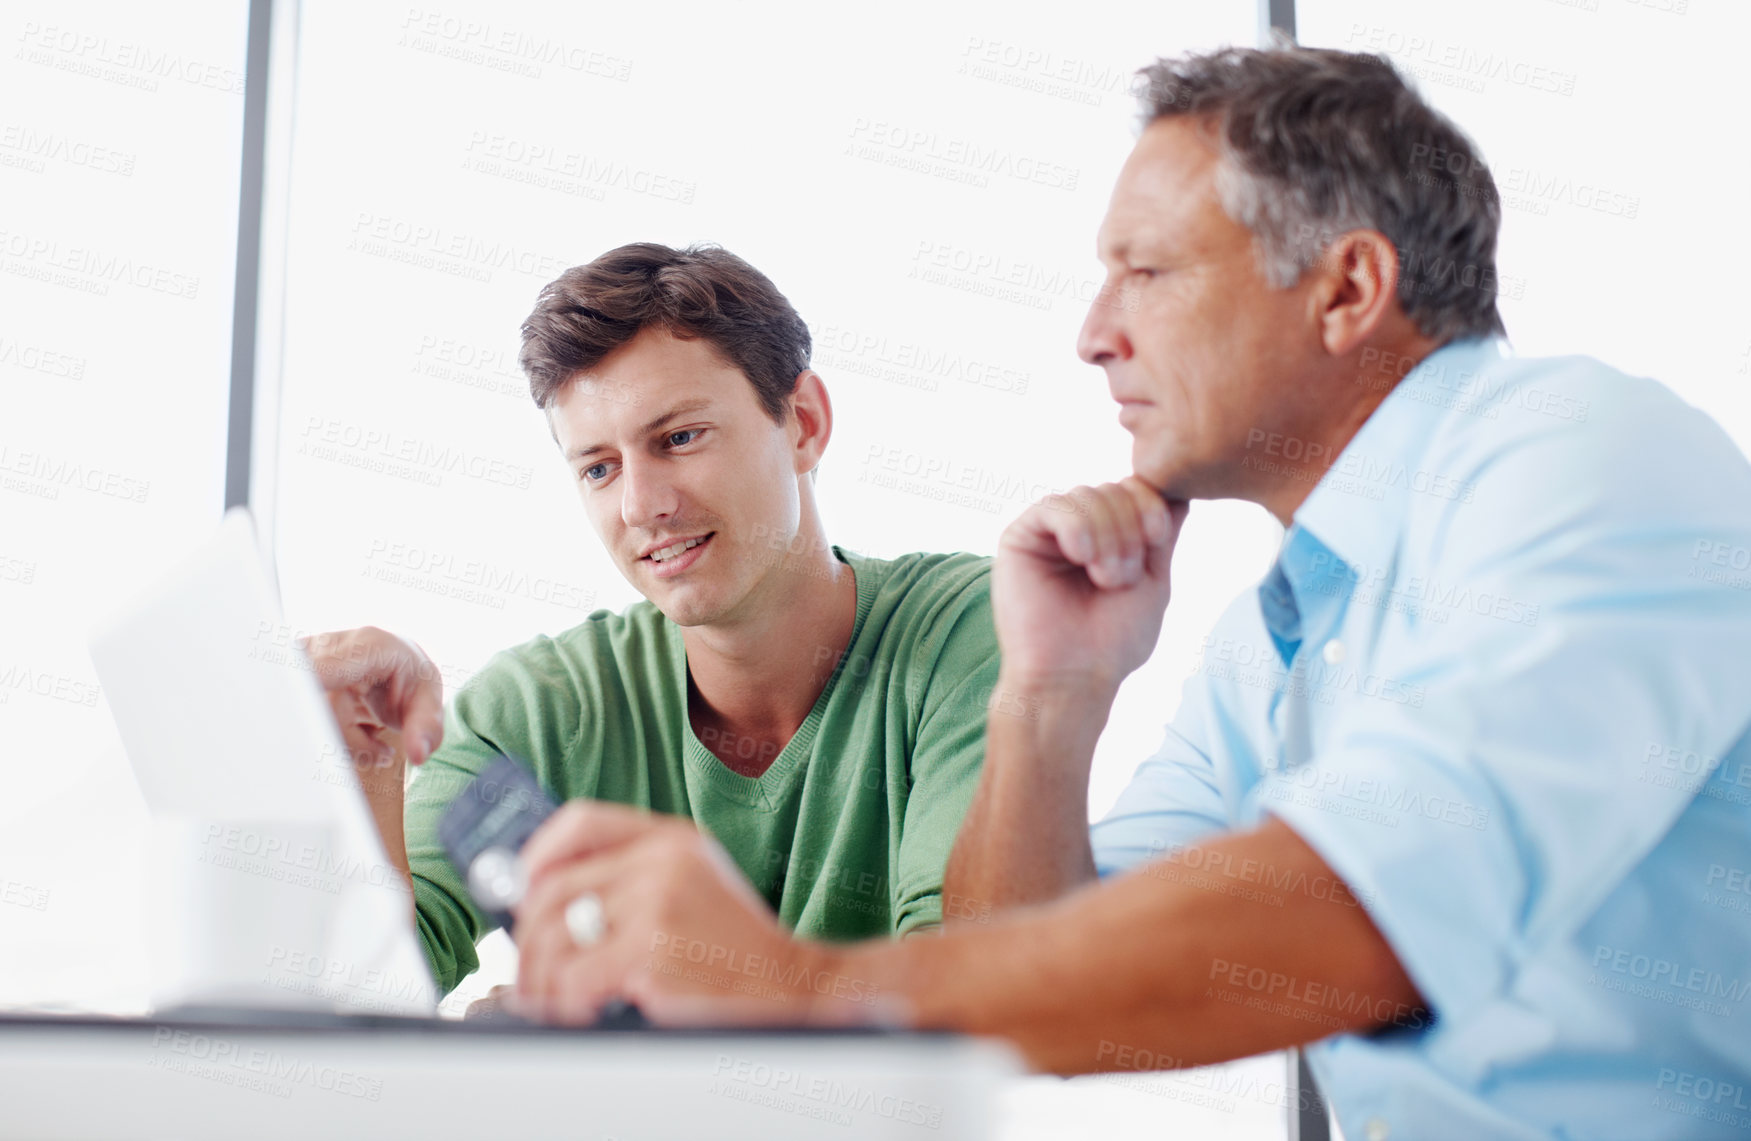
column 484, row 831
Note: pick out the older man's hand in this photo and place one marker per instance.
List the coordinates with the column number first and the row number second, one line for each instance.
column 1080, row 582
column 682, row 935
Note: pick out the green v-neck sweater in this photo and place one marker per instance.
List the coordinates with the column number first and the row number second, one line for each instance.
column 845, row 834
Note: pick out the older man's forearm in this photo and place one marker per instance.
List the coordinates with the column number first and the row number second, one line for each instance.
column 1025, row 836
column 1154, row 970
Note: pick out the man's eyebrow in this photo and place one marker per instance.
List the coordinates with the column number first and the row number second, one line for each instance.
column 647, row 427
column 1142, row 236
column 1147, row 244
column 1116, row 247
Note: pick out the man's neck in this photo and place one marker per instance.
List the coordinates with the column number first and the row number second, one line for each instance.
column 754, row 682
column 1347, row 378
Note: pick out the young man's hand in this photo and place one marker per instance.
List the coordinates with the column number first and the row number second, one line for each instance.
column 681, row 933
column 1081, row 582
column 388, row 699
column 385, row 692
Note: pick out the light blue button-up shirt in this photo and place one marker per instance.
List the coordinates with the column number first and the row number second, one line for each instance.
column 1500, row 679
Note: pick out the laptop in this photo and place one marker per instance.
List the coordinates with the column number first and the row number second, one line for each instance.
column 270, row 887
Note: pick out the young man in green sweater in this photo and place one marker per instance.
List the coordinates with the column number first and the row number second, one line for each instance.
column 821, row 714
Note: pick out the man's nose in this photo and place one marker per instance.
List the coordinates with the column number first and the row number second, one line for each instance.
column 1103, row 330
column 647, row 497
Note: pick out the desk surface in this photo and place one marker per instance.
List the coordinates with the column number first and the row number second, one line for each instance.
column 143, row 1078
column 73, row 1077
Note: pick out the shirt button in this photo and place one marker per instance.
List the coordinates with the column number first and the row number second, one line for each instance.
column 1376, row 1129
column 1333, row 653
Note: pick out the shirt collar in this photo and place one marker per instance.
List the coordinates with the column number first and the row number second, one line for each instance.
column 1359, row 505
column 1292, row 599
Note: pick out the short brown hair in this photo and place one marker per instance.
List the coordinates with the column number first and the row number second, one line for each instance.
column 703, row 291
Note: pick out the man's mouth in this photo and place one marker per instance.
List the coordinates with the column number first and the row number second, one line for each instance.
column 677, row 549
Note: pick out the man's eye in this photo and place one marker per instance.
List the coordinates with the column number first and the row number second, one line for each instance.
column 595, row 472
column 682, row 438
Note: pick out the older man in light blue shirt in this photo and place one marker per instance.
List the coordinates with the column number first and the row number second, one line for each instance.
column 1496, row 678
column 1458, row 794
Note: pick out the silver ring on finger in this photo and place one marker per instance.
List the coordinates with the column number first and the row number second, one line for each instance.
column 585, row 920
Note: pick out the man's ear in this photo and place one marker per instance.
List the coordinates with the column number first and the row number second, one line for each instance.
column 810, row 420
column 1357, row 289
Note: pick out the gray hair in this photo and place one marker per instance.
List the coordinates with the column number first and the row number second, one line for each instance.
column 1315, row 143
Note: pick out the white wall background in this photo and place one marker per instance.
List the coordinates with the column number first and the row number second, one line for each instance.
column 443, row 169
column 120, row 139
